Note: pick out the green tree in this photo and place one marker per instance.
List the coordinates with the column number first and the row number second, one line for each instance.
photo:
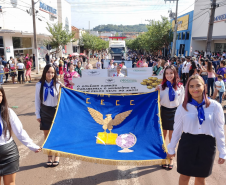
column 59, row 37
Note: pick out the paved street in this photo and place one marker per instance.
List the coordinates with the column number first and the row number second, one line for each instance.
column 73, row 172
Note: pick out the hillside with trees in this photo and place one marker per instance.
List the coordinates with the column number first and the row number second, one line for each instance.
column 121, row 28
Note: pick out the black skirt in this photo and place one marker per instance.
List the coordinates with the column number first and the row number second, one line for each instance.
column 195, row 155
column 167, row 117
column 9, row 159
column 47, row 114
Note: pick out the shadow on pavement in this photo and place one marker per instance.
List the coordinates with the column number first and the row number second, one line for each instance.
column 110, row 176
column 27, row 114
column 24, row 168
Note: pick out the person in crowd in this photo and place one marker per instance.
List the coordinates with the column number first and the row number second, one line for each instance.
column 118, row 73
column 13, row 70
column 171, row 96
column 123, row 65
column 47, row 58
column 193, row 68
column 98, row 64
column 185, row 70
column 6, row 70
column 88, row 65
column 144, row 63
column 28, row 70
column 157, row 68
column 1, row 73
column 71, row 73
column 211, row 78
column 216, row 63
column 180, row 65
column 203, row 71
column 79, row 68
column 46, row 99
column 33, row 58
column 138, row 64
column 61, row 72
column 115, row 65
column 9, row 155
column 220, row 86
column 20, row 68
column 199, row 124
column 111, row 65
column 4, row 62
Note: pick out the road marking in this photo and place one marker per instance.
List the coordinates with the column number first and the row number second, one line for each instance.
column 126, row 174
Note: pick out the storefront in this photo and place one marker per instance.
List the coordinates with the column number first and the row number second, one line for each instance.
column 184, row 31
column 200, row 28
column 16, row 33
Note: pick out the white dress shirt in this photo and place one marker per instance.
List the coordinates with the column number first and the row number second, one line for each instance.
column 20, row 66
column 187, row 122
column 186, row 66
column 164, row 97
column 18, row 130
column 50, row 101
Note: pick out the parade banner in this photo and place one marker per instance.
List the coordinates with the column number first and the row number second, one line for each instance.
column 116, row 84
column 107, row 129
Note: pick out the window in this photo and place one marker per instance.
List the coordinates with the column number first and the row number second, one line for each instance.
column 1, row 46
column 187, row 35
column 179, row 36
column 22, row 42
column 183, row 35
column 75, row 49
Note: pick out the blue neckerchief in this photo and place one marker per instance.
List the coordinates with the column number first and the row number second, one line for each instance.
column 46, row 90
column 1, row 129
column 171, row 91
column 201, row 113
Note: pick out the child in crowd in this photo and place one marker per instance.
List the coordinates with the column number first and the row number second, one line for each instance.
column 220, row 87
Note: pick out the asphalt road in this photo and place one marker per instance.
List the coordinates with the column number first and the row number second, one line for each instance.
column 33, row 170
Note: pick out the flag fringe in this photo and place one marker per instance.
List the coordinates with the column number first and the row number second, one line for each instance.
column 106, row 161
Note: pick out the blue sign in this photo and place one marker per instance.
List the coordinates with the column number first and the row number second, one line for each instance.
column 220, row 17
column 47, row 8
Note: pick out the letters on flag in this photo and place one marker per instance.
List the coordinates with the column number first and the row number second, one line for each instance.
column 107, row 129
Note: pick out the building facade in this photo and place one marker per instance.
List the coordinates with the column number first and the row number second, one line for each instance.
column 184, row 32
column 201, row 23
column 16, row 26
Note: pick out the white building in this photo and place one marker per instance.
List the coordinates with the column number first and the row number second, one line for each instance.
column 201, row 23
column 16, row 25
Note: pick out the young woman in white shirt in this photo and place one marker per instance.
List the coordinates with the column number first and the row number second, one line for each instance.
column 46, row 99
column 171, row 96
column 20, row 68
column 9, row 155
column 199, row 124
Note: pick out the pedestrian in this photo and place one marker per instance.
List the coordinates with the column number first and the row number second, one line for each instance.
column 33, row 60
column 20, row 69
column 111, row 65
column 69, row 75
column 157, row 68
column 171, row 96
column 220, row 86
column 46, row 99
column 9, row 155
column 144, row 64
column 211, row 78
column 6, row 70
column 199, row 124
column 88, row 66
column 13, row 70
column 185, row 70
column 28, row 70
column 61, row 72
column 98, row 64
column 118, row 72
column 47, row 58
column 1, row 72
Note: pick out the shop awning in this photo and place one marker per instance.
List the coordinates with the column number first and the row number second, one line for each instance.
column 223, row 37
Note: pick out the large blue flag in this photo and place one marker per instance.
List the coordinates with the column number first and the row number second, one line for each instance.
column 107, row 129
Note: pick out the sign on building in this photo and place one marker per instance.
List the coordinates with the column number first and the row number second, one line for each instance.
column 182, row 23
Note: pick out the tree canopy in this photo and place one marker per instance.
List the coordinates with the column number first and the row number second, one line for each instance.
column 59, row 36
column 94, row 43
column 121, row 28
column 159, row 35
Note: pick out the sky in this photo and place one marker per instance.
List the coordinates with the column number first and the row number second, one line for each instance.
column 125, row 12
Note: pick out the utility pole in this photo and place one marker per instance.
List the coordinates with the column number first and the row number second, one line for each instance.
column 175, row 29
column 214, row 5
column 35, row 38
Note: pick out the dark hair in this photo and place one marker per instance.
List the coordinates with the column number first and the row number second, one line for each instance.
column 175, row 83
column 43, row 79
column 220, row 76
column 223, row 62
column 19, row 60
column 5, row 114
column 188, row 95
column 69, row 64
column 209, row 66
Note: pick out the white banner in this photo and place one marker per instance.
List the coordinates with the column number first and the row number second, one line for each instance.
column 129, row 72
column 128, row 64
